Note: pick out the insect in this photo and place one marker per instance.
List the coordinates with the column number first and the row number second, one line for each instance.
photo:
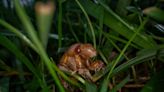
column 77, row 59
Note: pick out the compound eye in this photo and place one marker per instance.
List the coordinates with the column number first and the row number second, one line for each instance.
column 77, row 49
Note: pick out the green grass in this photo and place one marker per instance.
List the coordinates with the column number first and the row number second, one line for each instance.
column 129, row 43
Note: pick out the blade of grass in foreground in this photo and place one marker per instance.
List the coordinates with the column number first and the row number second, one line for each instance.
column 12, row 47
column 18, row 33
column 44, row 15
column 91, row 87
column 34, row 38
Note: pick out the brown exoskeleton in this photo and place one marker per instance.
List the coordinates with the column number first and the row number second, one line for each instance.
column 77, row 59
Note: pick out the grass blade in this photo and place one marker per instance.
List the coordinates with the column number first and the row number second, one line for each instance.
column 90, row 87
column 147, row 54
column 116, row 25
column 60, row 25
column 11, row 47
column 89, row 22
column 125, row 47
column 18, row 33
column 32, row 34
column 44, row 15
column 104, row 85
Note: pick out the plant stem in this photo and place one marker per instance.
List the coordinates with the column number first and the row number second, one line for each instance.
column 60, row 25
column 89, row 22
column 126, row 46
column 32, row 33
